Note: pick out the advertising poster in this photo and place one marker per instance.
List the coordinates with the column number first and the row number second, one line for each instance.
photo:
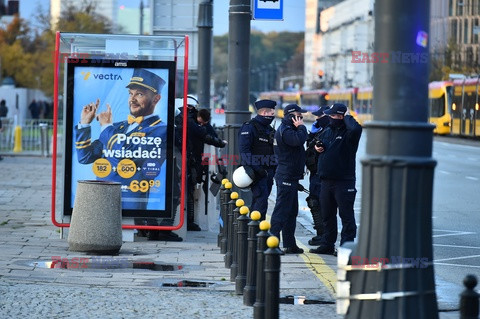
column 120, row 129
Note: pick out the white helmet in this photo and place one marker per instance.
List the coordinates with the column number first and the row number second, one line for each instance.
column 241, row 178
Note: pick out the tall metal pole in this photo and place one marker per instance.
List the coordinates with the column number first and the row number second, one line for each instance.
column 238, row 73
column 396, row 220
column 205, row 45
column 141, row 16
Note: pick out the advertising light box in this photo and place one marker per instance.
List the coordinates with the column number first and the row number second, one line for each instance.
column 120, row 128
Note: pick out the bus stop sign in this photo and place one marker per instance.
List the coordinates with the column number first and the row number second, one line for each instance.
column 267, row 9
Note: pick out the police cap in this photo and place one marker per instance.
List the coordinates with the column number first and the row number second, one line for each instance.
column 320, row 111
column 265, row 104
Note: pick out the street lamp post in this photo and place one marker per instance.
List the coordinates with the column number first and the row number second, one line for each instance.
column 396, row 220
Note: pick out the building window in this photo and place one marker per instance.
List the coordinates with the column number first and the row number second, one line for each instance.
column 450, row 8
column 465, row 31
column 453, row 31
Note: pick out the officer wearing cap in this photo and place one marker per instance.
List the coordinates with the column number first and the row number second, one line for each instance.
column 257, row 155
column 199, row 133
column 289, row 148
column 313, row 201
column 336, row 170
column 144, row 93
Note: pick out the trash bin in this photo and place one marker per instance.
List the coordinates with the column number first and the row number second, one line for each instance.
column 96, row 224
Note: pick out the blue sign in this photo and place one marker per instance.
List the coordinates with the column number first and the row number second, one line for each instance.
column 268, row 9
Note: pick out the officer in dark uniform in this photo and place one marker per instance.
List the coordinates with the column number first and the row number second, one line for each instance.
column 313, row 201
column 198, row 134
column 289, row 148
column 336, row 169
column 257, row 155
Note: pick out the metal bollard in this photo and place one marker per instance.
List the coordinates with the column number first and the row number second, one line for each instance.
column 222, row 198
column 469, row 299
column 241, row 278
column 259, row 305
column 234, row 265
column 272, row 278
column 253, row 228
column 232, row 209
column 44, row 139
column 224, row 212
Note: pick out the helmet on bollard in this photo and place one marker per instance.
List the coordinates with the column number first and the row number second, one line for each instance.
column 243, row 177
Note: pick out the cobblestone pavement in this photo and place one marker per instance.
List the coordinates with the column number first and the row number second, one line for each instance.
column 29, row 242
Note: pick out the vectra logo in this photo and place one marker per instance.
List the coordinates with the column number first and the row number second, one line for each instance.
column 101, row 76
column 86, row 75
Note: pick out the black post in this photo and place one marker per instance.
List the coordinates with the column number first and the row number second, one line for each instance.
column 241, row 278
column 232, row 212
column 398, row 174
column 222, row 199
column 234, row 265
column 253, row 228
column 205, row 45
column 224, row 212
column 141, row 17
column 469, row 299
column 259, row 305
column 272, row 278
column 237, row 112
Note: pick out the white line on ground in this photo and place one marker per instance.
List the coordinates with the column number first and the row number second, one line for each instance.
column 458, row 258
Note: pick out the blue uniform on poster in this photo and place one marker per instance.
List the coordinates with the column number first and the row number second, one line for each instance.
column 257, row 155
column 131, row 151
column 289, row 148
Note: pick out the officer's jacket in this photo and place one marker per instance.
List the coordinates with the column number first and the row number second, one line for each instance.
column 289, row 148
column 337, row 162
column 256, row 146
column 144, row 144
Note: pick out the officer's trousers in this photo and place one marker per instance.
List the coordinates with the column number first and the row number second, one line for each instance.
column 260, row 191
column 284, row 216
column 337, row 194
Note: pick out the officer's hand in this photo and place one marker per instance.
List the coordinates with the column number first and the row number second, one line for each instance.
column 297, row 121
column 88, row 112
column 105, row 118
column 319, row 149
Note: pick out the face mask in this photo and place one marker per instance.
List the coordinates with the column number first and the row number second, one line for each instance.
column 336, row 122
column 266, row 120
column 322, row 122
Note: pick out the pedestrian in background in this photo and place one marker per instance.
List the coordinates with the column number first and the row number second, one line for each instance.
column 311, row 162
column 257, row 155
column 336, row 169
column 289, row 148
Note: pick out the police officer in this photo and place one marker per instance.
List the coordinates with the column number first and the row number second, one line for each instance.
column 289, row 148
column 257, row 155
column 313, row 202
column 198, row 134
column 336, row 169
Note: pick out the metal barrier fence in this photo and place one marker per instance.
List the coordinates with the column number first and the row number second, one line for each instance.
column 35, row 136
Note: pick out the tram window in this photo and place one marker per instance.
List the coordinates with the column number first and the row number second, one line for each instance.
column 437, row 106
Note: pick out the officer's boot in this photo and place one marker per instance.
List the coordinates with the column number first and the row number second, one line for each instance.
column 191, row 226
column 314, row 206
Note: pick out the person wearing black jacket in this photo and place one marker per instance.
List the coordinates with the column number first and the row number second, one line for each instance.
column 199, row 133
column 255, row 144
column 289, row 148
column 313, row 199
column 336, row 169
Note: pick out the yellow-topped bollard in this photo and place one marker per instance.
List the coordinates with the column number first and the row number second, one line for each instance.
column 224, row 181
column 234, row 195
column 244, row 210
column 228, row 185
column 255, row 215
column 265, row 225
column 272, row 242
column 222, row 237
column 240, row 202
column 17, row 148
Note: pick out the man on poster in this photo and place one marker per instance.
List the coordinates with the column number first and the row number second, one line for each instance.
column 130, row 151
